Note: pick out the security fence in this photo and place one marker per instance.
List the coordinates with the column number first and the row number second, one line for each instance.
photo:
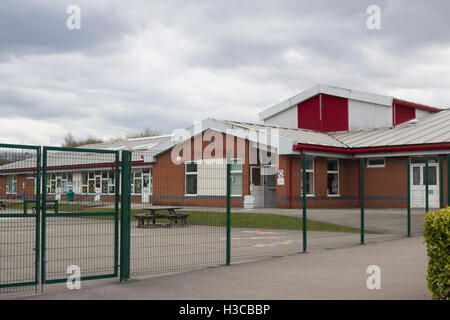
column 132, row 214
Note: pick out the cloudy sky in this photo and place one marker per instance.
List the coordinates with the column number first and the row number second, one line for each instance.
column 164, row 64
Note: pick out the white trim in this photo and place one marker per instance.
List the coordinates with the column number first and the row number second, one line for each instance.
column 338, row 175
column 368, row 165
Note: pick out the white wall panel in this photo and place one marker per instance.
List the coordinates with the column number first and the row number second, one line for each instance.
column 286, row 118
column 364, row 115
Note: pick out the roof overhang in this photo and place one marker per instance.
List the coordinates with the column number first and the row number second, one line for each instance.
column 375, row 152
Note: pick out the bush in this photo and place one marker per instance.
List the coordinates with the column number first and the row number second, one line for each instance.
column 437, row 238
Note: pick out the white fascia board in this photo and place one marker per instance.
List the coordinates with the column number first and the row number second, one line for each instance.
column 402, row 154
column 325, row 89
column 328, row 155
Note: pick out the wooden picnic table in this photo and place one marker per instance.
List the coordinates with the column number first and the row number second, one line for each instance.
column 145, row 218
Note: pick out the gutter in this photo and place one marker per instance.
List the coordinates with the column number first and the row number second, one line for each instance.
column 308, row 147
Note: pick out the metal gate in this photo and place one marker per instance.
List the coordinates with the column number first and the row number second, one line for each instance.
column 80, row 212
column 19, row 228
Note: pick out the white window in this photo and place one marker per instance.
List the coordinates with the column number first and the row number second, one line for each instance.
column 148, row 180
column 333, row 177
column 136, row 183
column 236, row 177
column 61, row 182
column 376, row 163
column 191, row 177
column 11, row 184
column 309, row 176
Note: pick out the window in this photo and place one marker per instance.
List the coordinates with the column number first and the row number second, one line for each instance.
column 432, row 175
column 333, row 177
column 236, row 177
column 11, row 184
column 191, row 178
column 59, row 182
column 376, row 163
column 137, row 182
column 309, row 176
column 148, row 180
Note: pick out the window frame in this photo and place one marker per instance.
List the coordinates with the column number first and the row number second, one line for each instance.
column 338, row 178
column 376, row 165
column 191, row 173
column 13, row 183
column 311, row 171
column 236, row 171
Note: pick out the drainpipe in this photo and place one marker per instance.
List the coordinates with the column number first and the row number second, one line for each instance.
column 290, row 183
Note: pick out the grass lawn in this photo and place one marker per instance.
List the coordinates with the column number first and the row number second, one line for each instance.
column 261, row 221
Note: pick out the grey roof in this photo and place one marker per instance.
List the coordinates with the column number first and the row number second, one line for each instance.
column 297, row 135
column 141, row 147
column 431, row 129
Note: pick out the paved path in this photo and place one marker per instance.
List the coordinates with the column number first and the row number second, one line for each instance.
column 322, row 274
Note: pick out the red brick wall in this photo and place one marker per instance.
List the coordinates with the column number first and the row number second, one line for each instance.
column 169, row 177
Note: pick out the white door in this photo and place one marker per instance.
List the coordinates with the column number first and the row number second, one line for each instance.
column 257, row 187
column 418, row 185
column 145, row 188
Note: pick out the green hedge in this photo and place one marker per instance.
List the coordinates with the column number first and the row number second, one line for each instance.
column 437, row 238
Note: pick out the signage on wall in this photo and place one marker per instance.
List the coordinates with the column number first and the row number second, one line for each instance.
column 280, row 180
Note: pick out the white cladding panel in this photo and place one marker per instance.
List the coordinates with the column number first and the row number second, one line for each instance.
column 365, row 115
column 212, row 177
column 420, row 113
column 286, row 118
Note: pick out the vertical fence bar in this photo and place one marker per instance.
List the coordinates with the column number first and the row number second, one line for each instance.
column 304, row 225
column 116, row 215
column 125, row 217
column 408, row 197
column 44, row 211
column 427, row 186
column 448, row 180
column 361, row 164
column 228, row 210
column 38, row 215
column 441, row 181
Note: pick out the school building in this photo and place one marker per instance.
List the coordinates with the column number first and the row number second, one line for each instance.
column 333, row 127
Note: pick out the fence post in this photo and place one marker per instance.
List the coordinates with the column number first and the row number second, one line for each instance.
column 304, row 219
column 38, row 215
column 361, row 164
column 44, row 212
column 408, row 197
column 426, row 185
column 448, row 180
column 116, row 210
column 125, row 217
column 228, row 210
column 441, row 182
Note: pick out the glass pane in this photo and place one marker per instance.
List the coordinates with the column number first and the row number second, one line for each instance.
column 91, row 186
column 432, row 175
column 333, row 183
column 332, row 165
column 271, row 181
column 191, row 184
column 146, row 180
column 105, row 186
column 191, row 167
column 256, row 176
column 376, row 162
column 416, row 176
column 236, row 184
column 309, row 183
column 309, row 164
column 137, row 186
column 236, row 165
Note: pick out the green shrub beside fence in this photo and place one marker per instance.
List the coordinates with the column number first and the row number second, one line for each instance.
column 437, row 238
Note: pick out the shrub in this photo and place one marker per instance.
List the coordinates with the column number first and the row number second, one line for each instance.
column 437, row 239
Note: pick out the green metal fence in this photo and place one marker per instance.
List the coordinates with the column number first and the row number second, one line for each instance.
column 59, row 207
column 83, row 230
column 19, row 231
